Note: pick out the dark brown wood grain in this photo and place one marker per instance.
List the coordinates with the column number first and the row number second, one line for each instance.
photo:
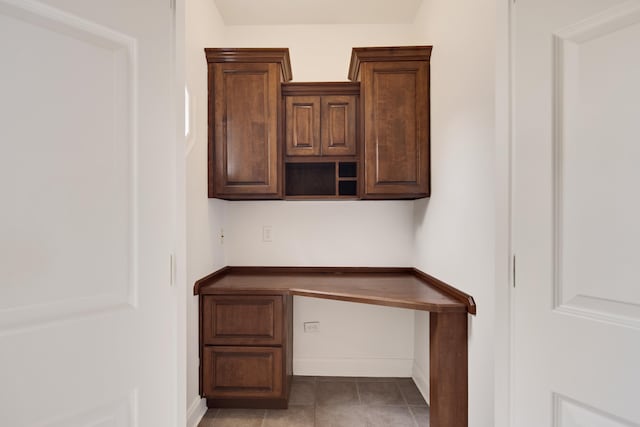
column 321, row 131
column 448, row 289
column 338, row 125
column 270, row 403
column 320, row 159
column 394, row 287
column 201, row 342
column 380, row 120
column 302, row 126
column 246, row 350
column 248, row 376
column 321, row 125
column 211, row 277
column 396, row 129
column 245, row 110
column 243, row 372
column 360, row 55
column 278, row 56
column 448, row 370
column 234, row 320
column 320, row 88
column 287, row 345
column 395, row 126
column 245, row 126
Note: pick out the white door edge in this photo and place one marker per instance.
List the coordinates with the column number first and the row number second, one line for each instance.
column 504, row 301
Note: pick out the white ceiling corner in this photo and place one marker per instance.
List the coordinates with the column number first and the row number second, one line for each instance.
column 317, row 12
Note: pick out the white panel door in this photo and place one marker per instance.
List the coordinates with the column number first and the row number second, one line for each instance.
column 576, row 235
column 87, row 314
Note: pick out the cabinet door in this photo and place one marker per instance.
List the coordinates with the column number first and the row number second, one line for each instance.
column 338, row 125
column 242, row 320
column 303, row 125
column 246, row 101
column 242, row 372
column 396, row 129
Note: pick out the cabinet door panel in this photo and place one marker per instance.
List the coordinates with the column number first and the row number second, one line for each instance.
column 396, row 129
column 339, row 125
column 244, row 320
column 303, row 125
column 244, row 372
column 246, row 102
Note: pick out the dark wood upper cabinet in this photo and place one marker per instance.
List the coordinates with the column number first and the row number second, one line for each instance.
column 245, row 349
column 322, row 145
column 368, row 138
column 244, row 122
column 395, row 120
column 321, row 118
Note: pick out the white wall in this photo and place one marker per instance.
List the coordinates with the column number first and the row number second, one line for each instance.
column 205, row 217
column 319, row 53
column 320, row 233
column 353, row 339
column 454, row 229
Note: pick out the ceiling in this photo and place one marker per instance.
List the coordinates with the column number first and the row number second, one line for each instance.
column 310, row 12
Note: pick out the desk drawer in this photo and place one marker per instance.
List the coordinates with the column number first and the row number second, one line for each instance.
column 242, row 320
column 242, row 372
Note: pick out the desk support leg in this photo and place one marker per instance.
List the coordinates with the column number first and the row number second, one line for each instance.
column 448, row 383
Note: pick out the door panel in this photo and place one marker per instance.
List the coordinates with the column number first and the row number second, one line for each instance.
column 303, row 125
column 339, row 125
column 598, row 154
column 577, row 304
column 396, row 128
column 85, row 228
column 56, row 204
column 246, row 100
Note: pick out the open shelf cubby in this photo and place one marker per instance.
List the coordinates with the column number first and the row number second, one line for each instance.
column 321, row 179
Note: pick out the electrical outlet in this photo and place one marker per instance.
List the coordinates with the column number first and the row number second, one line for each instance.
column 267, row 233
column 312, row 327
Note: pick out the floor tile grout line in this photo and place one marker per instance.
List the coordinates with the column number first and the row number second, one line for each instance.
column 402, row 394
column 314, row 412
column 415, row 419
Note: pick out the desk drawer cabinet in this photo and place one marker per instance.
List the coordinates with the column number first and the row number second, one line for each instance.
column 247, row 374
column 245, row 353
column 244, row 320
column 243, row 371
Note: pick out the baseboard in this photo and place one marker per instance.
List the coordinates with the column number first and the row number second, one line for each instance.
column 422, row 381
column 196, row 411
column 352, row 367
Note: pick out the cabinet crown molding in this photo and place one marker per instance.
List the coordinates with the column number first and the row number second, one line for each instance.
column 320, row 88
column 383, row 54
column 249, row 55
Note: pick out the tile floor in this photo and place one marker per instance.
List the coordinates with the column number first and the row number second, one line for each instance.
column 335, row 402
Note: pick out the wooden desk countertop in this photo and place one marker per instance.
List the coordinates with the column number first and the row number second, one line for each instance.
column 393, row 287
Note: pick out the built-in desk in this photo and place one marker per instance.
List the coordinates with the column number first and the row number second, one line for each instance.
column 246, row 330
